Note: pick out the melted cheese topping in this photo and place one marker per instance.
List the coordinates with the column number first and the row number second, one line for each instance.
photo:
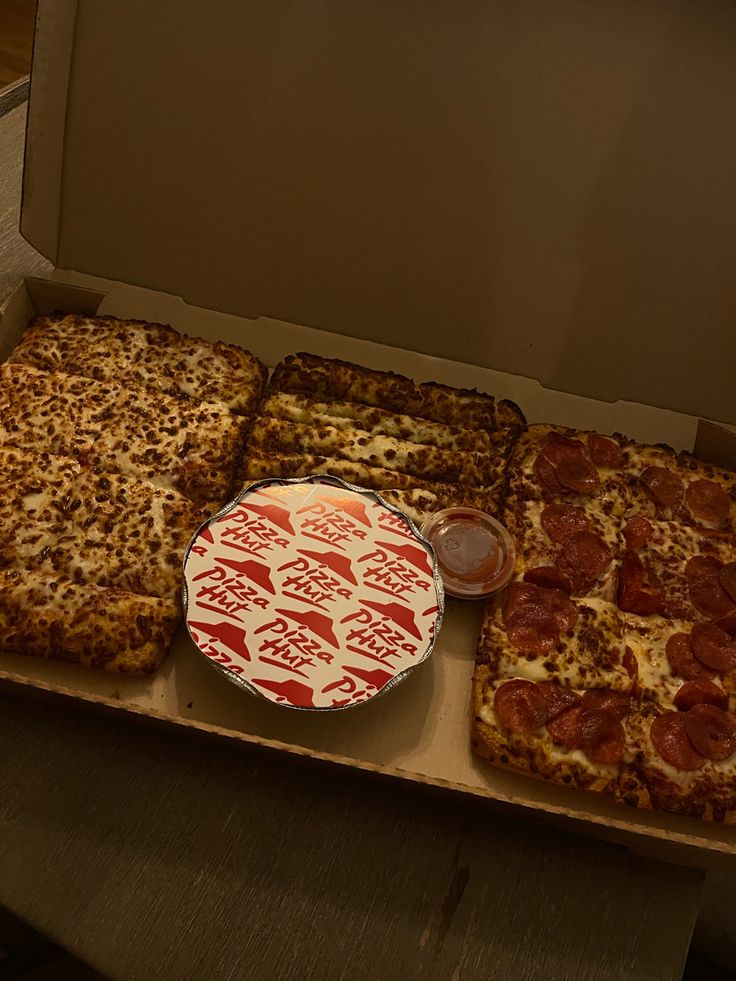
column 360, row 446
column 135, row 354
column 188, row 446
column 107, row 529
column 375, row 421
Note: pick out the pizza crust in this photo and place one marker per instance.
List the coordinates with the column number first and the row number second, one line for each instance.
column 532, row 753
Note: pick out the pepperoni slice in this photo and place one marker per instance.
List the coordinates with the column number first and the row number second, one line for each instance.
column 562, row 521
column 727, row 579
column 535, row 616
column 520, row 706
column 728, row 623
column 702, row 566
column 585, row 553
column 565, row 611
column 565, row 729
column 713, row 647
column 578, row 475
column 705, row 587
column 558, row 448
column 711, row 731
column 710, row 598
column 522, row 596
column 682, row 660
column 670, row 740
column 630, row 664
column 614, row 702
column 558, row 698
column 518, row 596
column 637, row 532
column 533, row 631
column 544, row 471
column 663, row 485
column 636, row 592
column 707, row 501
column 549, row 577
column 601, row 736
column 701, row 692
column 604, row 452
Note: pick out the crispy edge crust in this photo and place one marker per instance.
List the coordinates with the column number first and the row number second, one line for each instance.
column 246, row 357
column 31, row 349
column 334, row 379
column 96, row 622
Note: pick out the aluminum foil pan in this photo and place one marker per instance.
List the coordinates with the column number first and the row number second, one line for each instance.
column 312, row 593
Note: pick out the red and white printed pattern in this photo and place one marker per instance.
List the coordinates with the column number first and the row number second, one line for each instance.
column 314, row 594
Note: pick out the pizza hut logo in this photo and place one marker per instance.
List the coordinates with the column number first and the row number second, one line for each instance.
column 336, row 522
column 257, row 529
column 398, row 570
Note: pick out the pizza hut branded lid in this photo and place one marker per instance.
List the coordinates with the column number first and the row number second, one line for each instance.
column 312, row 593
column 474, row 551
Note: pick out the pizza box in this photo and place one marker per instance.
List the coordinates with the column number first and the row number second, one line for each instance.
column 430, row 195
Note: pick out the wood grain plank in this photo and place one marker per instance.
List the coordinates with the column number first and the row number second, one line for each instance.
column 16, row 38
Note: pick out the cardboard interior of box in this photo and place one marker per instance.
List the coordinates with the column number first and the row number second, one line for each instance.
column 416, row 176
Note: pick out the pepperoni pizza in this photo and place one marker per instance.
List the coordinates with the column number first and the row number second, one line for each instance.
column 609, row 663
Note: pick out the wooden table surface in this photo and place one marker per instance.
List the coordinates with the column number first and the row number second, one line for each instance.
column 161, row 855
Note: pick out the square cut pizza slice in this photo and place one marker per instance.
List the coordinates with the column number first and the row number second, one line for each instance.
column 137, row 354
column 682, row 663
column 667, row 486
column 568, row 546
column 709, row 499
column 566, row 735
column 681, row 737
column 682, row 761
column 192, row 447
column 34, row 489
column 541, row 634
column 50, row 617
column 553, row 464
column 676, row 570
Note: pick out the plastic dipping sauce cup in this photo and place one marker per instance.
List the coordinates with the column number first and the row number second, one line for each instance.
column 474, row 552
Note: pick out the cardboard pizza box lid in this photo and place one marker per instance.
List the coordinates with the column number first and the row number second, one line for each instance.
column 548, row 192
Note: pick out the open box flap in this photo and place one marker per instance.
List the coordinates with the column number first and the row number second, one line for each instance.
column 546, row 191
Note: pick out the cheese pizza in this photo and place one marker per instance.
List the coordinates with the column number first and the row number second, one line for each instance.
column 59, row 518
column 117, row 440
column 609, row 663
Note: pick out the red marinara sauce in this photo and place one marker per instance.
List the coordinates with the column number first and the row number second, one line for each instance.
column 474, row 551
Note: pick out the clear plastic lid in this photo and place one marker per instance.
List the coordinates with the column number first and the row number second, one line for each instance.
column 474, row 551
